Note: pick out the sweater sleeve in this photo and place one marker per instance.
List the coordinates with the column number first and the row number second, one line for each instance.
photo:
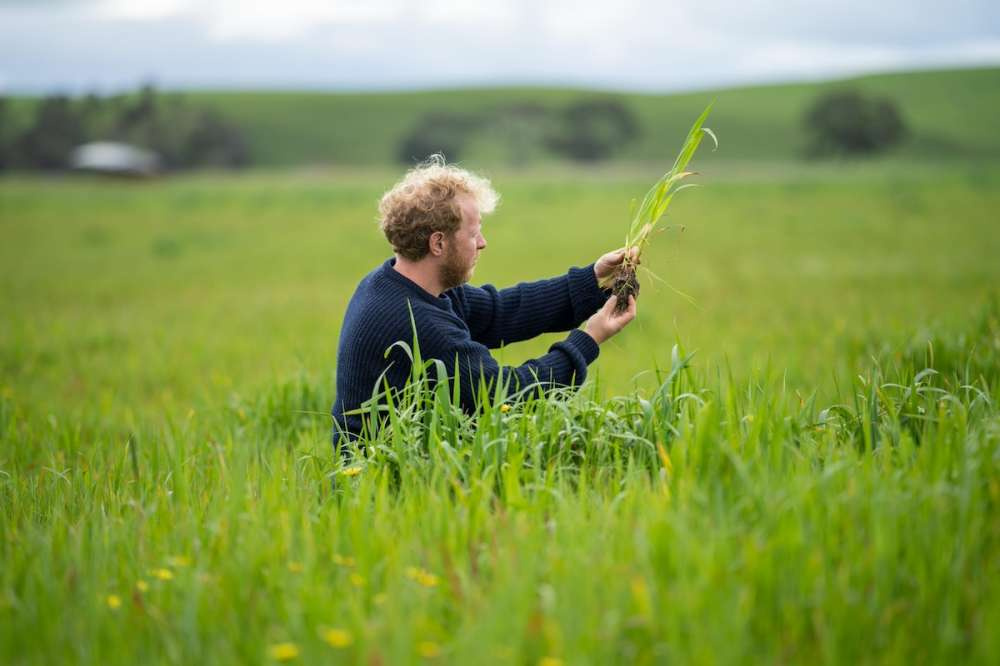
column 498, row 317
column 565, row 364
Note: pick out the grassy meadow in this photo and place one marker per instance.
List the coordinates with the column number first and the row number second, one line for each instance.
column 950, row 114
column 148, row 295
column 793, row 454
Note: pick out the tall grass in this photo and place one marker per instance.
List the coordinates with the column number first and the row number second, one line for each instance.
column 708, row 520
column 164, row 499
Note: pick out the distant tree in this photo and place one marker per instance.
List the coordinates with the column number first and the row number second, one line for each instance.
column 144, row 120
column 183, row 136
column 595, row 129
column 213, row 142
column 56, row 131
column 5, row 136
column 850, row 123
column 138, row 115
column 521, row 128
column 95, row 115
column 437, row 132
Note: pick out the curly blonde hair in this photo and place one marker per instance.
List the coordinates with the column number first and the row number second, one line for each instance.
column 423, row 202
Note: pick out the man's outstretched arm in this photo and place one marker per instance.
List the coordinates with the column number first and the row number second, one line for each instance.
column 565, row 364
column 497, row 317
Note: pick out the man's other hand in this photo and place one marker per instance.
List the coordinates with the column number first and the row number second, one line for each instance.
column 605, row 323
column 606, row 265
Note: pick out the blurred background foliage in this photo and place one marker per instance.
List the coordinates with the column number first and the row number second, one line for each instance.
column 183, row 135
column 918, row 115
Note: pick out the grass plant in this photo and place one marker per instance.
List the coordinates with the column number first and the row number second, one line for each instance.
column 711, row 520
column 624, row 282
column 828, row 494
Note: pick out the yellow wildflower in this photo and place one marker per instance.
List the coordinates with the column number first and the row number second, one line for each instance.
column 664, row 458
column 428, row 649
column 343, row 560
column 141, row 585
column 295, row 567
column 351, row 471
column 162, row 574
column 283, row 651
column 550, row 661
column 421, row 576
column 504, row 408
column 642, row 598
column 338, row 638
column 357, row 580
column 114, row 601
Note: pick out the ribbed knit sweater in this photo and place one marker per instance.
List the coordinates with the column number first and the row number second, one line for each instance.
column 463, row 323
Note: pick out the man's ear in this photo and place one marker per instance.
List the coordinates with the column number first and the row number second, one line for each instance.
column 436, row 243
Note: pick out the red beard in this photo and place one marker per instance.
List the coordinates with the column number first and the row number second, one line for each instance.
column 454, row 272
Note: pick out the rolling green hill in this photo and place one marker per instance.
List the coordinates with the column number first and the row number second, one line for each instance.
column 951, row 114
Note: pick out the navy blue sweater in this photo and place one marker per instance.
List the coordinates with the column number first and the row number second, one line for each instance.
column 462, row 323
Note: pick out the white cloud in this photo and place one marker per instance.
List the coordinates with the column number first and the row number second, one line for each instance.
column 456, row 12
column 230, row 20
column 146, row 10
column 985, row 50
column 798, row 60
column 641, row 44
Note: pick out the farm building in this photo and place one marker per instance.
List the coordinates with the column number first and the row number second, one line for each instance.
column 115, row 158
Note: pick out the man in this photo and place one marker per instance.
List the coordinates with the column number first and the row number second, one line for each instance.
column 432, row 219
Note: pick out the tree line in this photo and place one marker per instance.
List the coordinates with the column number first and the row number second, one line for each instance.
column 182, row 135
column 842, row 122
column 589, row 129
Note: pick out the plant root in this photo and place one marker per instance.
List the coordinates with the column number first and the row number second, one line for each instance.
column 625, row 284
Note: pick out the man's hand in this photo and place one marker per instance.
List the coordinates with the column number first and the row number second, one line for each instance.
column 605, row 323
column 605, row 266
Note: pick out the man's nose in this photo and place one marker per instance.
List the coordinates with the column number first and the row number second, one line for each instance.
column 481, row 245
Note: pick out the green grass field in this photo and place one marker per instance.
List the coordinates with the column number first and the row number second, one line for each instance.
column 177, row 290
column 798, row 491
column 791, row 456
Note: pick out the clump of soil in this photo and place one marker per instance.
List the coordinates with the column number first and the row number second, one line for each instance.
column 625, row 283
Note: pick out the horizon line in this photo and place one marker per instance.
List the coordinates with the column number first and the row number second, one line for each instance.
column 499, row 84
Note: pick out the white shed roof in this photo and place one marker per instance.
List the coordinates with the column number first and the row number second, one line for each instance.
column 112, row 157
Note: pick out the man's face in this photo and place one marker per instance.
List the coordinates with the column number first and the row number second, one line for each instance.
column 464, row 245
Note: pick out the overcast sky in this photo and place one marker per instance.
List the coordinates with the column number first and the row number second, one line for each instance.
column 107, row 45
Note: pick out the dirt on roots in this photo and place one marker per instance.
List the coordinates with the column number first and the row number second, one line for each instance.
column 625, row 284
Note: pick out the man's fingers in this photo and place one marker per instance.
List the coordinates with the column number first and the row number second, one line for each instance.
column 614, row 258
column 619, row 255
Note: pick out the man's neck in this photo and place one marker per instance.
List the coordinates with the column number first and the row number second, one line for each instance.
column 424, row 273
